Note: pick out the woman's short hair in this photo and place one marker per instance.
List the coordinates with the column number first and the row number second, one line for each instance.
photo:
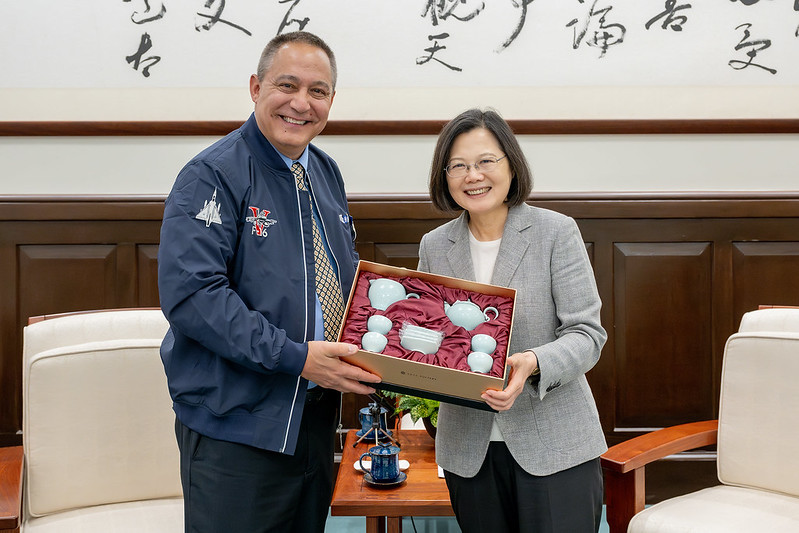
column 521, row 177
column 268, row 54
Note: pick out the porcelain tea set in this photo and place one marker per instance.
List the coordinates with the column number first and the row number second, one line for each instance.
column 384, row 292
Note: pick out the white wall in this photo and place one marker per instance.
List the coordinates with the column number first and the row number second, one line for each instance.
column 400, row 164
column 81, row 74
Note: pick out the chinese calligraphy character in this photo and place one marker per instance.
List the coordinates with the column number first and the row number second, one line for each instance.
column 523, row 5
column 213, row 17
column 146, row 62
column 150, row 13
column 443, row 9
column 604, row 37
column 286, row 21
column 675, row 21
column 433, row 49
column 754, row 47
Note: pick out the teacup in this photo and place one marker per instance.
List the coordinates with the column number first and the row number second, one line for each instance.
column 373, row 341
column 385, row 463
column 384, row 292
column 480, row 362
column 416, row 344
column 484, row 343
column 379, row 323
column 419, row 339
column 418, row 331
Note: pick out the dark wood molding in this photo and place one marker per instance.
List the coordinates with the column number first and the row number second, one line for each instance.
column 589, row 205
column 407, row 127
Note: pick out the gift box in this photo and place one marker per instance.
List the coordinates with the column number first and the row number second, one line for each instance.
column 421, row 311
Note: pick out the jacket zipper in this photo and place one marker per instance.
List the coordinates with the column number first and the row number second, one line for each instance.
column 305, row 324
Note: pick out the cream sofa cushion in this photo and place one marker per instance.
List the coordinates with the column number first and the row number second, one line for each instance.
column 152, row 516
column 776, row 319
column 759, row 412
column 98, row 425
column 721, row 509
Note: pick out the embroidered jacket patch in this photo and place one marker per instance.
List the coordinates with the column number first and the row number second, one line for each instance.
column 260, row 221
column 210, row 212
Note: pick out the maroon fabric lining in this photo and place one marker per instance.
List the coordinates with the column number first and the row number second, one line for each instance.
column 428, row 312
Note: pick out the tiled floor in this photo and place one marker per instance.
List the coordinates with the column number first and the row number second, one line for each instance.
column 426, row 524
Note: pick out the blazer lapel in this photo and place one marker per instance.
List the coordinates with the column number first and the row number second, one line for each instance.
column 459, row 255
column 513, row 247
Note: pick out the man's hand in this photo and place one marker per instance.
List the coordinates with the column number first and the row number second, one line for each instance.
column 323, row 367
column 522, row 364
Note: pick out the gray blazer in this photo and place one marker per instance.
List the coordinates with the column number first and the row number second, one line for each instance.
column 553, row 425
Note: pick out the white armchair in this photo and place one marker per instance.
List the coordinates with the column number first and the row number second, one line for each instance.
column 100, row 453
column 758, row 444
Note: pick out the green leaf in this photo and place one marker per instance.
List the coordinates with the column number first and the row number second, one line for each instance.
column 415, row 406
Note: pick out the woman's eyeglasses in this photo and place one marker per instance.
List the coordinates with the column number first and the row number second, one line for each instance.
column 486, row 165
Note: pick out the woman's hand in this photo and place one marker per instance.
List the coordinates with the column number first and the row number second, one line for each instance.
column 522, row 365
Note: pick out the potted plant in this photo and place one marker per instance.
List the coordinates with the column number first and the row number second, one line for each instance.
column 418, row 408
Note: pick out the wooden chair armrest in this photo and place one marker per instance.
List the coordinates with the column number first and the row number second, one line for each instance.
column 624, row 463
column 10, row 488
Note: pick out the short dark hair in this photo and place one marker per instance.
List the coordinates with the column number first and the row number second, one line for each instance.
column 271, row 48
column 521, row 177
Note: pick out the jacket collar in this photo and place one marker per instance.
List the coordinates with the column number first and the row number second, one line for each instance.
column 261, row 147
column 513, row 247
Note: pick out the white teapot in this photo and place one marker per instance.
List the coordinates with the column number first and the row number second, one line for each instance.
column 468, row 314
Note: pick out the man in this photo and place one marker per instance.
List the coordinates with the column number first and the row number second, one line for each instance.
column 252, row 371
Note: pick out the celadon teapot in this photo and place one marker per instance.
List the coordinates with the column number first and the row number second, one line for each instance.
column 468, row 314
column 384, row 292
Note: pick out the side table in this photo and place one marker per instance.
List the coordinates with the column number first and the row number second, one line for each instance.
column 422, row 494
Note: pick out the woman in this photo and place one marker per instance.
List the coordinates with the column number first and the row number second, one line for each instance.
column 534, row 465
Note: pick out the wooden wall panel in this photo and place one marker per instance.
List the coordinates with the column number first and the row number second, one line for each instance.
column 675, row 274
column 662, row 307
column 400, row 255
column 765, row 273
column 62, row 278
column 147, row 280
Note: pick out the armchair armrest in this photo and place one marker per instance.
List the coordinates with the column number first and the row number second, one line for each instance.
column 624, row 464
column 10, row 488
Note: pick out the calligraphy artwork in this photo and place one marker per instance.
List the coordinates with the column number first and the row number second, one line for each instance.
column 601, row 33
column 751, row 47
column 414, row 43
column 669, row 17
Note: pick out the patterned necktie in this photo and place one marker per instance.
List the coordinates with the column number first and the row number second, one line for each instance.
column 327, row 285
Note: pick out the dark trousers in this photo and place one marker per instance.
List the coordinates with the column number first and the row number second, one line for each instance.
column 234, row 488
column 503, row 497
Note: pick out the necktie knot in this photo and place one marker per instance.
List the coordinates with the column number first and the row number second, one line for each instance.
column 299, row 175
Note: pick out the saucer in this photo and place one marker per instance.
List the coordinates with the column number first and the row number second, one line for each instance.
column 403, row 464
column 385, row 484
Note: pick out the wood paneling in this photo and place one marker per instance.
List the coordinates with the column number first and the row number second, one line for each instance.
column 662, row 302
column 675, row 272
column 765, row 272
column 66, row 277
column 147, row 268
